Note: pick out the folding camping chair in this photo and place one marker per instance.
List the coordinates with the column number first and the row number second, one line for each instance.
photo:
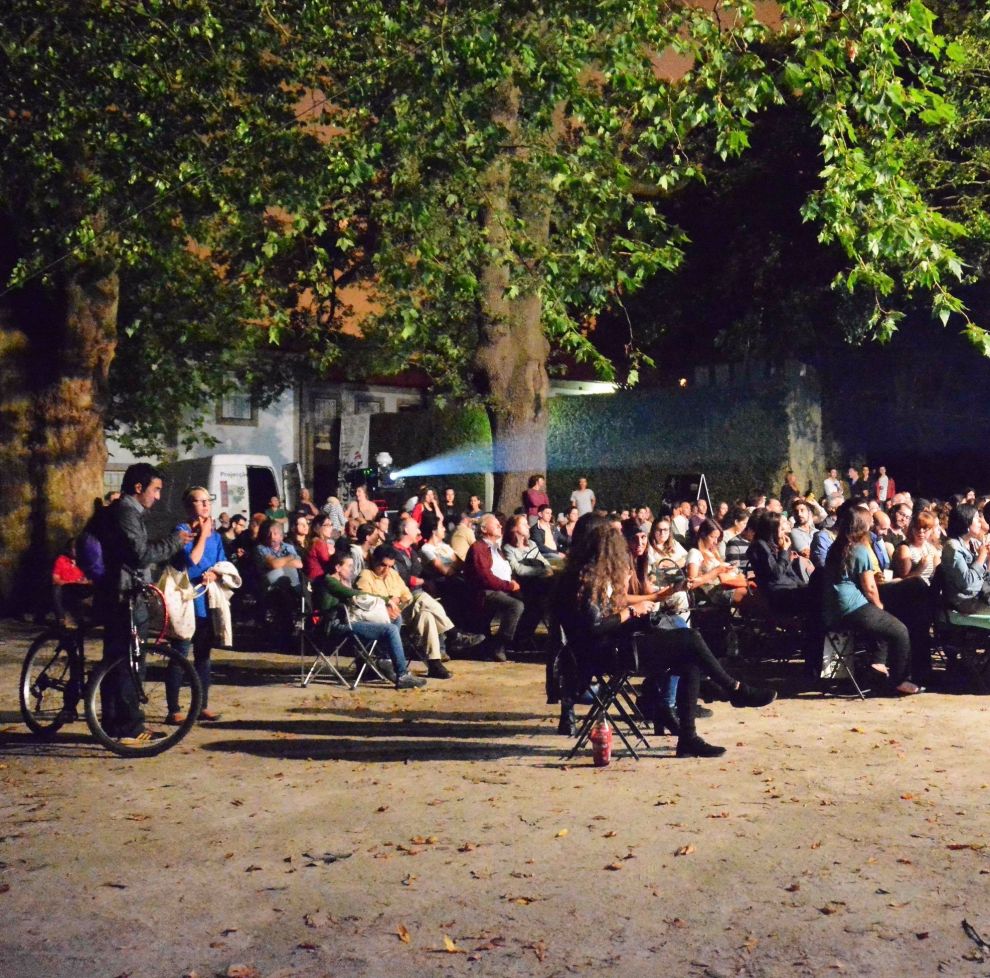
column 601, row 678
column 327, row 635
column 841, row 649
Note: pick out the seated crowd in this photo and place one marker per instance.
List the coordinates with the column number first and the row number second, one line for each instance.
column 435, row 578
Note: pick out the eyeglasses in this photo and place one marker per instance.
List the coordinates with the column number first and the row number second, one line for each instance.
column 663, row 529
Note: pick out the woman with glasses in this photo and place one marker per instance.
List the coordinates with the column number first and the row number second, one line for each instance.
column 198, row 557
column 662, row 548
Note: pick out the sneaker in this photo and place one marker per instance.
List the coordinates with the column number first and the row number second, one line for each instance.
column 702, row 712
column 752, row 696
column 458, row 641
column 408, row 681
column 696, row 747
column 386, row 668
column 141, row 739
column 435, row 669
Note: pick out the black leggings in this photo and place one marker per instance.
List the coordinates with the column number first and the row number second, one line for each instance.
column 684, row 652
column 891, row 636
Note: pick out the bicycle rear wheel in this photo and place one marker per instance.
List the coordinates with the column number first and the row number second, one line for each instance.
column 148, row 689
column 49, row 691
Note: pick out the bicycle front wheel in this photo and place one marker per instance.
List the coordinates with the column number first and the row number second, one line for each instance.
column 49, row 689
column 117, row 680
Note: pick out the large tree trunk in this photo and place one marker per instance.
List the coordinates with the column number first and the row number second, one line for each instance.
column 54, row 362
column 511, row 362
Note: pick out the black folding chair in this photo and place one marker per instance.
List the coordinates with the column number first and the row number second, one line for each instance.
column 601, row 676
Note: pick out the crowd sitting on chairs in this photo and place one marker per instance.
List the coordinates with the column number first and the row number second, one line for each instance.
column 901, row 576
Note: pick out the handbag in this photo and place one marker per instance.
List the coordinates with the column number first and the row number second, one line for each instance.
column 370, row 607
column 180, row 597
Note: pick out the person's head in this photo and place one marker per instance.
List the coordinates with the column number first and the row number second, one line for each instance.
column 321, row 528
column 300, row 525
column 271, row 534
column 684, row 507
column 144, row 482
column 721, row 511
column 833, row 502
column 369, row 536
column 756, row 500
column 852, row 528
column 598, row 567
column 755, row 518
column 709, row 533
column 382, row 560
column 964, row 520
column 342, row 566
column 237, row 523
column 636, row 538
column 429, row 496
column 409, row 531
column 224, row 518
column 901, row 516
column 490, row 528
column 775, row 505
column 865, row 472
column 384, row 525
column 791, row 479
column 770, row 529
column 833, row 472
column 449, row 496
column 702, row 506
column 196, row 501
column 921, row 528
column 582, row 483
column 361, row 493
column 872, row 505
column 853, row 473
column 274, row 502
column 969, row 494
column 573, row 514
column 304, row 496
column 517, row 531
column 881, row 470
column 351, row 527
column 881, row 523
column 800, row 512
column 660, row 538
column 545, row 514
column 474, row 504
column 439, row 533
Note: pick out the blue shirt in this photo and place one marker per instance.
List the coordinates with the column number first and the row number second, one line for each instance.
column 843, row 595
column 213, row 553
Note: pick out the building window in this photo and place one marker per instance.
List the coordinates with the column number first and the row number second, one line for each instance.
column 237, row 407
column 368, row 405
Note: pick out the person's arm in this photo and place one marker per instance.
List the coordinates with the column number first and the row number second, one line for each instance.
column 966, row 578
column 868, row 585
column 479, row 564
column 820, row 544
column 137, row 551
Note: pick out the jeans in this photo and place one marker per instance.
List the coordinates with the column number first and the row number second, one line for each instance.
column 891, row 636
column 387, row 635
column 201, row 644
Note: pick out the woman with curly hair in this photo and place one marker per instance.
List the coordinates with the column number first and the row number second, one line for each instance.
column 595, row 610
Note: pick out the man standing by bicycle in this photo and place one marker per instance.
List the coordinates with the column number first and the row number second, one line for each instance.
column 128, row 553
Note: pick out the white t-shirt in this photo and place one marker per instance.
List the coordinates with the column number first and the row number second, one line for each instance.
column 584, row 499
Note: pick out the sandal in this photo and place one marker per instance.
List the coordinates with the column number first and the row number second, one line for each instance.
column 175, row 719
column 208, row 716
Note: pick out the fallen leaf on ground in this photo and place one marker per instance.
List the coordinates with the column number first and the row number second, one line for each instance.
column 538, row 948
column 522, row 901
column 793, row 888
column 467, row 847
column 561, row 834
column 450, row 947
column 381, row 808
column 243, row 971
column 402, row 932
column 614, row 866
column 319, row 919
column 957, row 846
column 611, row 834
column 409, row 880
column 308, row 946
column 685, row 850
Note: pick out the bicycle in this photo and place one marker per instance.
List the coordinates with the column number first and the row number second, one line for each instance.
column 54, row 680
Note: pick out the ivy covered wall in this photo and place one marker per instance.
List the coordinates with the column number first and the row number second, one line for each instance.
column 741, row 427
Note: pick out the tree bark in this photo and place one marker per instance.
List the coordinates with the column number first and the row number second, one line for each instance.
column 511, row 362
column 54, row 363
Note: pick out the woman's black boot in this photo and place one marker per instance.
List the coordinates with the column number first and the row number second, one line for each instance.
column 664, row 721
column 568, row 723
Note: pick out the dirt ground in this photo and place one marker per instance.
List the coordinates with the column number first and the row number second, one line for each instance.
column 319, row 831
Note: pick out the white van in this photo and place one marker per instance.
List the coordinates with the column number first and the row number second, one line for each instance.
column 238, row 483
